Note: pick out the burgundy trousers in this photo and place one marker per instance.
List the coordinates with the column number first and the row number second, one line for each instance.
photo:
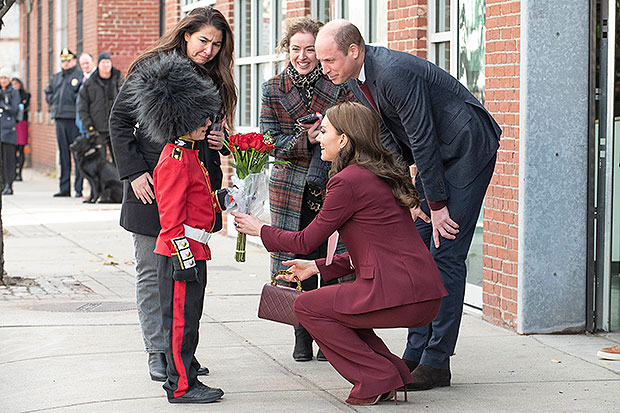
column 350, row 344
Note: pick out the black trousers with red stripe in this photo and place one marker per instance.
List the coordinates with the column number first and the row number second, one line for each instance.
column 181, row 308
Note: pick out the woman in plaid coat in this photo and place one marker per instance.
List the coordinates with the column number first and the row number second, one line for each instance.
column 301, row 89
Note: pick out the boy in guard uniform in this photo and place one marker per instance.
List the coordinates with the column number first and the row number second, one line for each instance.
column 175, row 105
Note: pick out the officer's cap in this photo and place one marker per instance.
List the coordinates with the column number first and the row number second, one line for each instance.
column 66, row 54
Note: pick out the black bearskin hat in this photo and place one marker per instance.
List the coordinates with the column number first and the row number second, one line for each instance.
column 170, row 98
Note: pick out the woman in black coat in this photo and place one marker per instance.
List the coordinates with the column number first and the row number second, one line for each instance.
column 205, row 37
column 9, row 105
column 22, row 125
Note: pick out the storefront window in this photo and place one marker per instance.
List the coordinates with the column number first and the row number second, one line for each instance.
column 471, row 46
column 441, row 34
column 456, row 44
column 265, row 45
column 442, row 17
column 256, row 55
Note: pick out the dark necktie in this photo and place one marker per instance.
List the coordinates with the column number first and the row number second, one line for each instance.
column 366, row 92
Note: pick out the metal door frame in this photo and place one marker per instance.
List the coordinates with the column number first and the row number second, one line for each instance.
column 601, row 150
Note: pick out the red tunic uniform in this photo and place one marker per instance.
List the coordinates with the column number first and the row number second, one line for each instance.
column 184, row 196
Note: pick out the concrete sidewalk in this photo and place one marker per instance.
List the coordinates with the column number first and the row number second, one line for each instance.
column 70, row 339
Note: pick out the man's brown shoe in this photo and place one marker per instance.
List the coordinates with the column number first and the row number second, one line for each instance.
column 609, row 353
column 426, row 377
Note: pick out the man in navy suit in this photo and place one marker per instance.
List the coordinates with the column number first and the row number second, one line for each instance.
column 428, row 119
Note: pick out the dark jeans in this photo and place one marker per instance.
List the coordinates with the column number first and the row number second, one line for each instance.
column 66, row 132
column 21, row 158
column 8, row 163
column 432, row 345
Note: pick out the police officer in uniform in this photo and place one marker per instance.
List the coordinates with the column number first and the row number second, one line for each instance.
column 61, row 94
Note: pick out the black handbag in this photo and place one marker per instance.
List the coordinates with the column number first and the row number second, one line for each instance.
column 276, row 301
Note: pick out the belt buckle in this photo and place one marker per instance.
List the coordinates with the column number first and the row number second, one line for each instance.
column 204, row 236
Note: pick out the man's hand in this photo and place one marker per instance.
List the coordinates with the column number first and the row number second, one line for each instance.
column 443, row 225
column 143, row 188
column 418, row 213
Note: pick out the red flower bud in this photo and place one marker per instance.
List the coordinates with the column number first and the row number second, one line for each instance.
column 243, row 143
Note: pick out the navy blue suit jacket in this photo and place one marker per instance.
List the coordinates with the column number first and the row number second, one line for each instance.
column 429, row 118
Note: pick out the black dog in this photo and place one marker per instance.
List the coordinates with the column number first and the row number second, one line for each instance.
column 102, row 175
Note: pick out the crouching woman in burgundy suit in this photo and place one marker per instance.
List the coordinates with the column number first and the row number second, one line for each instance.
column 397, row 282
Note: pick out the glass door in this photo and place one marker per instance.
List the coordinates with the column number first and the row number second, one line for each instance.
column 470, row 72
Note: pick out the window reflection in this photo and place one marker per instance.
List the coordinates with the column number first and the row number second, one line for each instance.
column 442, row 16
column 245, row 34
column 471, row 46
column 264, row 28
column 245, row 95
column 442, row 55
column 263, row 73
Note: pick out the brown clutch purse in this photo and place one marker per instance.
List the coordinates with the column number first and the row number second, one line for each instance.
column 276, row 301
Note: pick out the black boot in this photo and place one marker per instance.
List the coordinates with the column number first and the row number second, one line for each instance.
column 157, row 366
column 18, row 176
column 426, row 377
column 303, row 345
column 8, row 190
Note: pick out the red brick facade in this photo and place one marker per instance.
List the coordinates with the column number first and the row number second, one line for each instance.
column 173, row 13
column 123, row 29
column 501, row 206
column 126, row 28
column 42, row 130
column 407, row 26
column 297, row 8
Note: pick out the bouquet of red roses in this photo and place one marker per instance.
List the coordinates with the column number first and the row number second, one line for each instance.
column 250, row 153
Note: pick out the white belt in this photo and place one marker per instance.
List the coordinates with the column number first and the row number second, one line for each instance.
column 200, row 235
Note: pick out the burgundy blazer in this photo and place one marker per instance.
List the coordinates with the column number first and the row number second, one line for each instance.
column 393, row 267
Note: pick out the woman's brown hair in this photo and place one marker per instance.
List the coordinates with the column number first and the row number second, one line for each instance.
column 220, row 68
column 294, row 25
column 364, row 148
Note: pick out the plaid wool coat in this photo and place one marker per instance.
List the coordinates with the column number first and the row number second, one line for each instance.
column 281, row 106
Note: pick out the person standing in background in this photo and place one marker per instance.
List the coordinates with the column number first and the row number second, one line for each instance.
column 9, row 106
column 96, row 98
column 22, row 125
column 61, row 94
column 87, row 64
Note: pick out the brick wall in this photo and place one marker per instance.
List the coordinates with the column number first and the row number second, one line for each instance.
column 297, row 8
column 126, row 29
column 42, row 130
column 501, row 204
column 173, row 13
column 89, row 27
column 227, row 7
column 407, row 26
